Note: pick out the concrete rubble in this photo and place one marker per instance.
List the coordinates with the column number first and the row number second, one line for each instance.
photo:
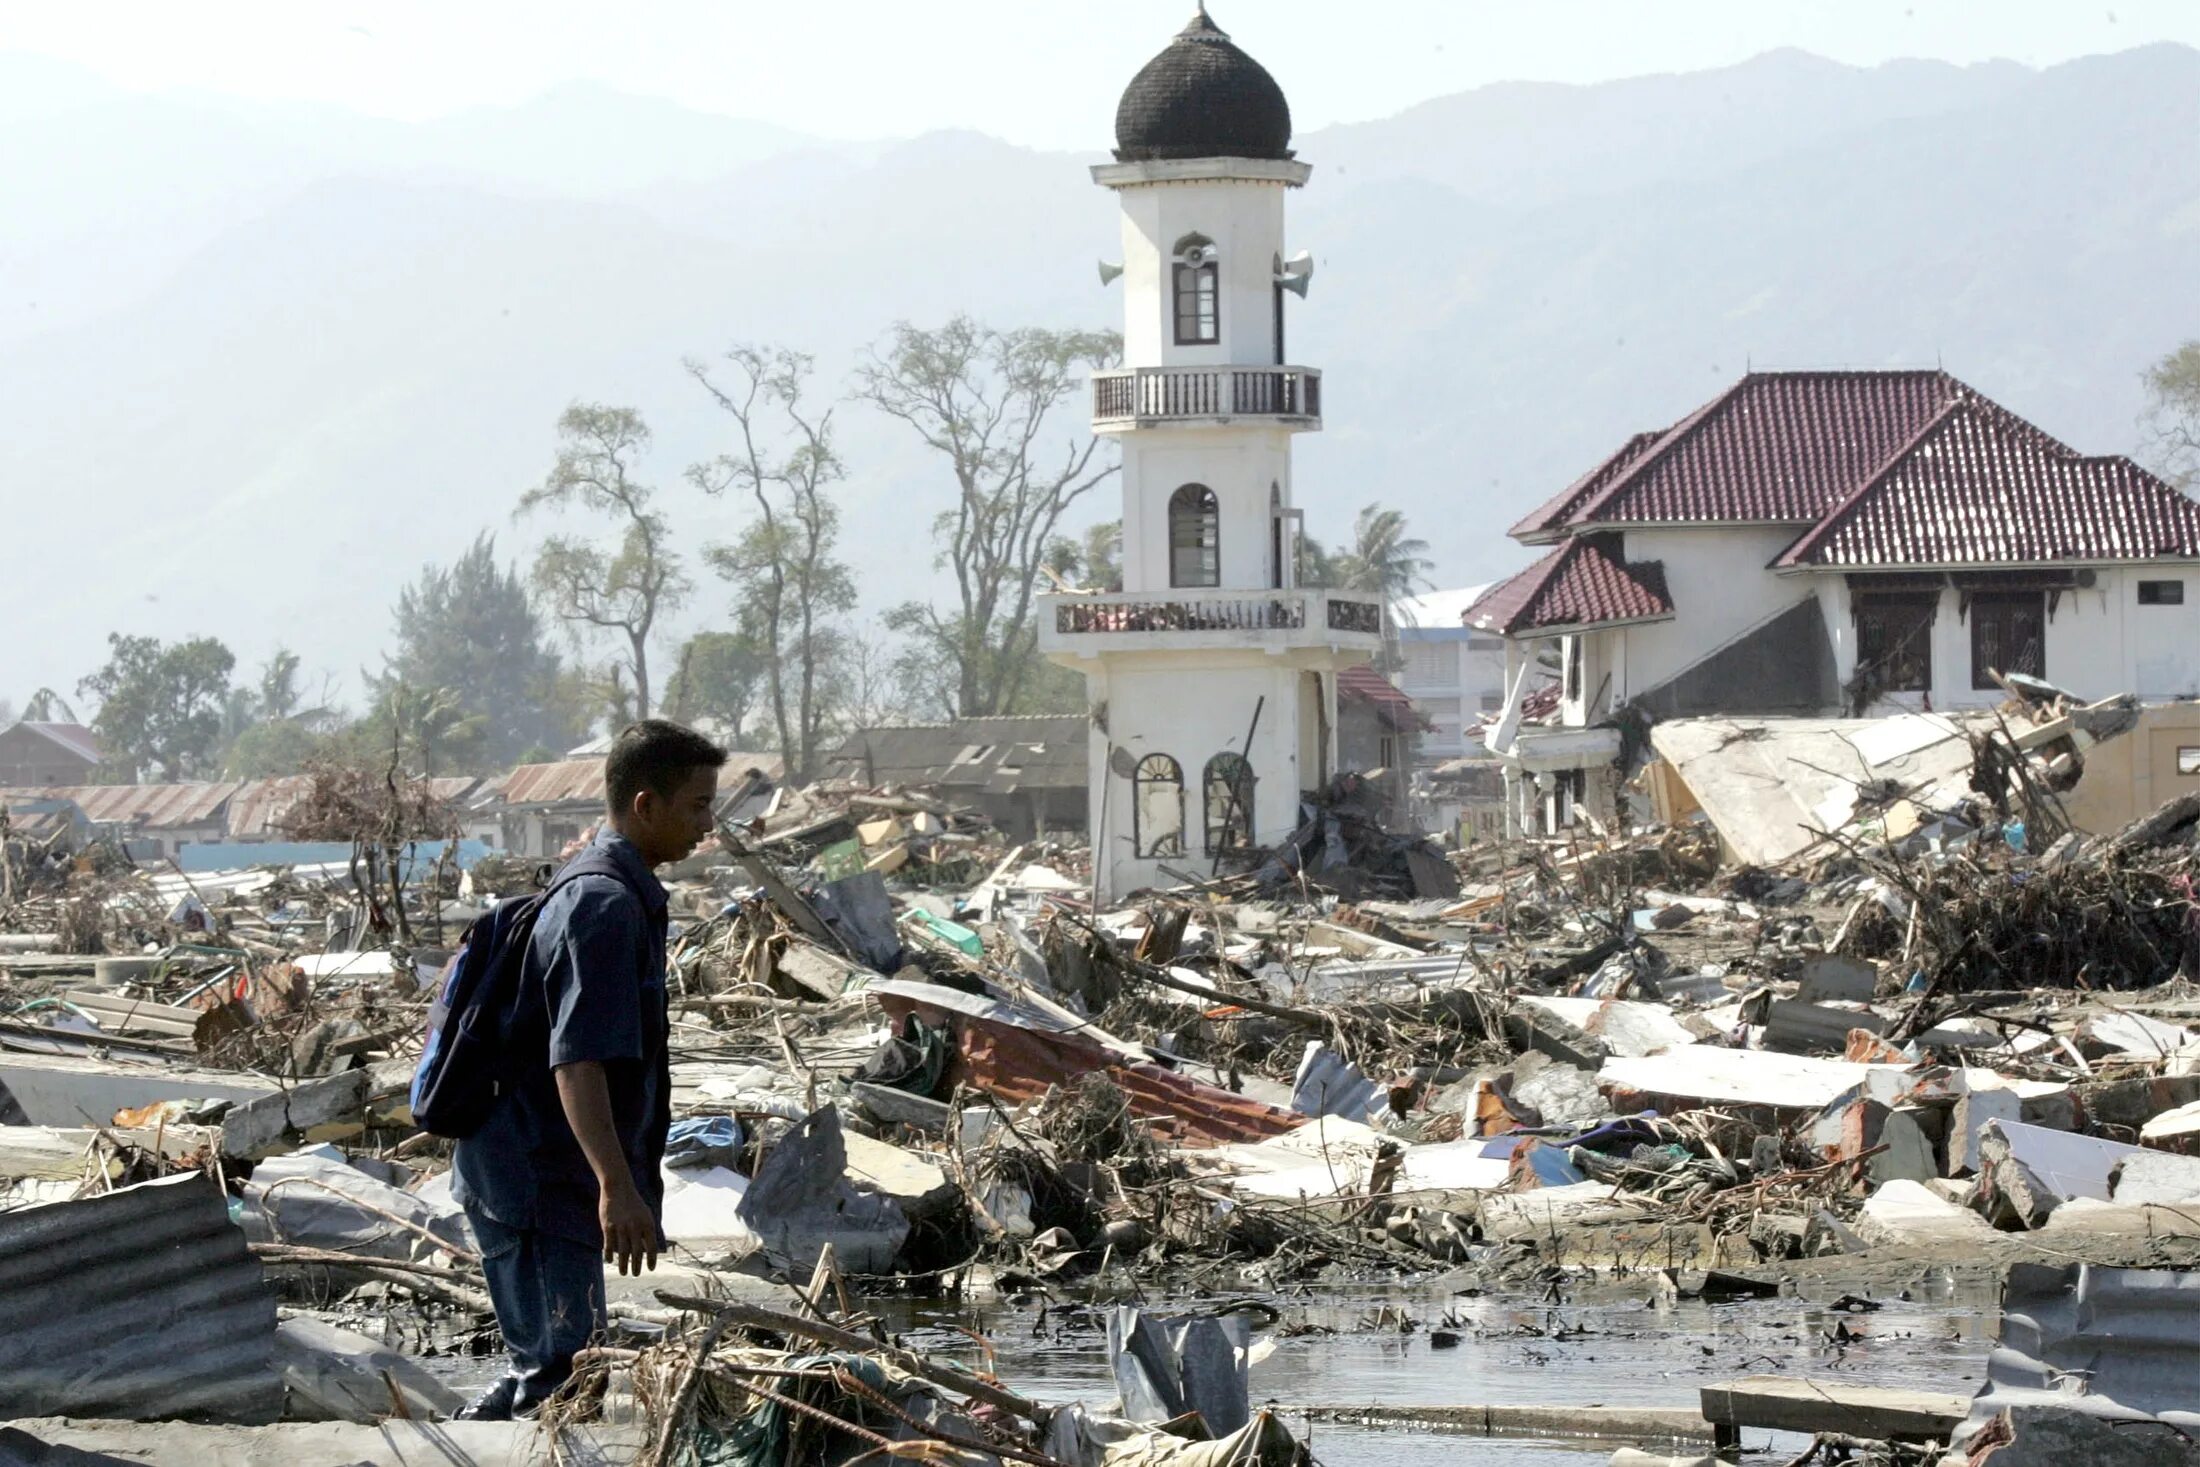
column 910, row 1056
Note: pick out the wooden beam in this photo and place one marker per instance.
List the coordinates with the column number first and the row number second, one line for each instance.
column 1800, row 1404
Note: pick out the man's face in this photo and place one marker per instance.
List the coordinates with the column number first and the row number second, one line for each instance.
column 671, row 829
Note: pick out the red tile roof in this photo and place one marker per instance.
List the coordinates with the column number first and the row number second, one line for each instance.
column 1980, row 486
column 1548, row 519
column 1775, row 447
column 1584, row 582
column 1389, row 700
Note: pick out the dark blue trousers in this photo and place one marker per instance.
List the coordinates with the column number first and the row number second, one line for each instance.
column 549, row 1297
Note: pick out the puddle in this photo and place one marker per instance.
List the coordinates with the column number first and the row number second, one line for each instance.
column 1510, row 1351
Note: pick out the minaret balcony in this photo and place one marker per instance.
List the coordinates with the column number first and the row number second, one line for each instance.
column 1081, row 624
column 1153, row 397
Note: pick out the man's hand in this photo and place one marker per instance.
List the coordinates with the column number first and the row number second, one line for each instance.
column 629, row 1230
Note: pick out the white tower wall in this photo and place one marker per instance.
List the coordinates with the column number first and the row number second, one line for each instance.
column 1244, row 466
column 1244, row 218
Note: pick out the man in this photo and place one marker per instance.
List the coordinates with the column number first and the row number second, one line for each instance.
column 563, row 1177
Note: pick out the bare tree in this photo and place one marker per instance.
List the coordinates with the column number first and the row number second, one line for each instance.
column 2172, row 418
column 782, row 565
column 981, row 398
column 619, row 589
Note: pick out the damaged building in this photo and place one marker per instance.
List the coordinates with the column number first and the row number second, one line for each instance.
column 1831, row 544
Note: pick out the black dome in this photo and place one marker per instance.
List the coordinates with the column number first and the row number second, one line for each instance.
column 1202, row 98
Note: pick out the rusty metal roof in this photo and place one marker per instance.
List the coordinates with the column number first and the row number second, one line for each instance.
column 1582, row 583
column 1019, row 1062
column 144, row 1304
column 260, row 805
column 565, row 782
column 143, row 806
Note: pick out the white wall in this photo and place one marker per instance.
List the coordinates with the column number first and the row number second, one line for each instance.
column 2100, row 641
column 1454, row 679
column 1245, row 221
column 1240, row 463
column 1192, row 706
column 1720, row 587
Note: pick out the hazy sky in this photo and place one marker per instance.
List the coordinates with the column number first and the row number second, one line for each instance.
column 1025, row 70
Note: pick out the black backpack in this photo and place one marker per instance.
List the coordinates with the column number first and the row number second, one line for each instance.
column 471, row 1046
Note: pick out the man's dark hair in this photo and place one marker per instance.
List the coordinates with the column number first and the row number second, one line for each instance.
column 656, row 755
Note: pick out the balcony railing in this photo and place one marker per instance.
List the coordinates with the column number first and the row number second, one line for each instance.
column 1356, row 616
column 1246, row 611
column 1162, row 394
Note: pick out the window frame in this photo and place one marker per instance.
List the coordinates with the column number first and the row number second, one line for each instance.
column 1156, row 770
column 1195, row 305
column 2163, row 593
column 1872, row 616
column 2182, row 751
column 1998, row 617
column 1203, row 511
column 1221, row 771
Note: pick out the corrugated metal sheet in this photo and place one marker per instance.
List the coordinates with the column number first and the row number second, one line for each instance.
column 144, row 806
column 1017, row 1063
column 260, row 805
column 1039, row 751
column 2116, row 1344
column 144, row 1304
column 554, row 784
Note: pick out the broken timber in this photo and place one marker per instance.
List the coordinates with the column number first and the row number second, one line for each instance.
column 1783, row 1403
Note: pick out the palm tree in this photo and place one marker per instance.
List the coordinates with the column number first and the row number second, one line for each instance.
column 1384, row 559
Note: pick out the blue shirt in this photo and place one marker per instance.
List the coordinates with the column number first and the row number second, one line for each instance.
column 594, row 983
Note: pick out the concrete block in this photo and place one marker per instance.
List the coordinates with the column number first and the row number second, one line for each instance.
column 1832, row 978
column 325, row 1109
column 332, row 1374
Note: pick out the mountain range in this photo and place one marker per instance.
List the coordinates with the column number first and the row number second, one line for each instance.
column 262, row 362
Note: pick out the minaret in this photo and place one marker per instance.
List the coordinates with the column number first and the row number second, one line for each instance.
column 1210, row 673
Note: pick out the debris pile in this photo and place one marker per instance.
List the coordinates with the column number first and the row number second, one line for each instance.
column 910, row 1057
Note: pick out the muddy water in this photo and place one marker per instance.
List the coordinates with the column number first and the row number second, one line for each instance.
column 1339, row 1349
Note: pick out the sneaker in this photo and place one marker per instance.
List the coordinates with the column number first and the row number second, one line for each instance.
column 493, row 1404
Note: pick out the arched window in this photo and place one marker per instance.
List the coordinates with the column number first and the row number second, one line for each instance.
column 1157, row 807
column 1198, row 292
column 1195, row 537
column 1229, row 804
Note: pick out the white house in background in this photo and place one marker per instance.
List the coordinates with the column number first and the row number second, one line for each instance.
column 1212, row 676
column 1454, row 674
column 1831, row 543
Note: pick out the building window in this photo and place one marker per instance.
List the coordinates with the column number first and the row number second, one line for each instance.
column 2008, row 634
column 1195, row 537
column 1198, row 292
column 1894, row 642
column 2161, row 593
column 2188, row 758
column 1386, row 752
column 1229, row 804
column 1572, row 685
column 1157, row 807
